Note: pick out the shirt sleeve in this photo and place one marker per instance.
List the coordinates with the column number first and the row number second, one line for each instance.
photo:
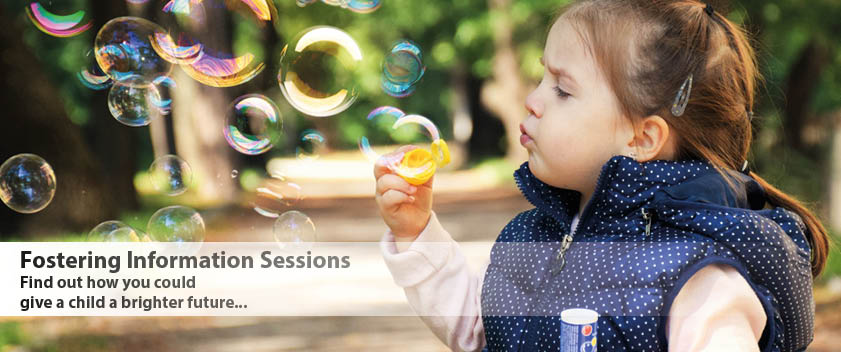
column 434, row 275
column 716, row 310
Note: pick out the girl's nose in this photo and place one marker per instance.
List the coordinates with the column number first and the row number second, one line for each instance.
column 533, row 104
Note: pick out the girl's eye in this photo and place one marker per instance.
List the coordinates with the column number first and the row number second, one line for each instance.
column 560, row 92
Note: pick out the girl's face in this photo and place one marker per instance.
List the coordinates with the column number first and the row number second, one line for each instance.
column 574, row 124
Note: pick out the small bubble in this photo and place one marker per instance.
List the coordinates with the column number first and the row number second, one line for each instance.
column 170, row 175
column 27, row 183
column 294, row 230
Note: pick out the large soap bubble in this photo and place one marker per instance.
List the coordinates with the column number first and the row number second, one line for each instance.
column 318, row 71
column 123, row 49
column 294, row 231
column 190, row 42
column 178, row 224
column 253, row 124
column 27, row 183
column 134, row 101
column 116, row 231
column 170, row 175
column 402, row 69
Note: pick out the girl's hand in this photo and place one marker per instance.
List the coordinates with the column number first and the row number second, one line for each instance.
column 405, row 208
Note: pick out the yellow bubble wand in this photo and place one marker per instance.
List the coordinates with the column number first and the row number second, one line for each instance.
column 418, row 165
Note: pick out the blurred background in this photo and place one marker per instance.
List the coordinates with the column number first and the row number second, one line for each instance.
column 481, row 59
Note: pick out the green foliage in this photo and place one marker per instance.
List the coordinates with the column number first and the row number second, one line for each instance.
column 10, row 335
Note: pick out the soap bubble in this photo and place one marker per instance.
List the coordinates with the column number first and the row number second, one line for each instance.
column 170, row 175
column 177, row 53
column 123, row 49
column 234, row 173
column 253, row 124
column 311, row 145
column 164, row 104
column 132, row 101
column 177, row 224
column 318, row 71
column 383, row 118
column 360, row 6
column 294, row 231
column 402, row 69
column 224, row 72
column 58, row 25
column 27, row 183
column 92, row 76
column 274, row 194
column 403, row 129
column 116, row 231
column 189, row 39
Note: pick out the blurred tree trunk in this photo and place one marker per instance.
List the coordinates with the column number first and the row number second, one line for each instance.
column 37, row 123
column 800, row 88
column 505, row 94
column 115, row 144
column 834, row 210
column 198, row 117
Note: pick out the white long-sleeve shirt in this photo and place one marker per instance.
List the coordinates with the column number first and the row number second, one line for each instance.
column 440, row 288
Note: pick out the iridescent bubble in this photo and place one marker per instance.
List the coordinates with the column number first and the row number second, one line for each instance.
column 116, row 231
column 132, row 101
column 253, row 124
column 177, row 224
column 223, row 72
column 92, row 76
column 274, row 194
column 402, row 69
column 27, row 183
column 360, row 6
column 170, row 175
column 183, row 7
column 294, row 231
column 318, row 71
column 310, row 145
column 164, row 105
column 183, row 53
column 188, row 27
column 383, row 119
column 123, row 49
column 57, row 25
column 405, row 128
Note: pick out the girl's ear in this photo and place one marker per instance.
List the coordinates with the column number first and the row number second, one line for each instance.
column 653, row 139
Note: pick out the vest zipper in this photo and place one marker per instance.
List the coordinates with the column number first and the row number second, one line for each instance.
column 647, row 217
column 567, row 241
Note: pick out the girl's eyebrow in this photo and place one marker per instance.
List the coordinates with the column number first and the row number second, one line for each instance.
column 559, row 72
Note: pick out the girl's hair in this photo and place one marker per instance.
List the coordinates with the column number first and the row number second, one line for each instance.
column 646, row 49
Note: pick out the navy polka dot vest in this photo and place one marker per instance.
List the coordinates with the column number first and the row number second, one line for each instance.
column 648, row 227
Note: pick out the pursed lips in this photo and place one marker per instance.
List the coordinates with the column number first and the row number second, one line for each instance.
column 524, row 137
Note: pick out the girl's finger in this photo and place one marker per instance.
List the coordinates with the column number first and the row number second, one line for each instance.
column 392, row 181
column 393, row 198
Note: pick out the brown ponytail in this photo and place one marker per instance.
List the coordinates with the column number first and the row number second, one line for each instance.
column 816, row 235
column 647, row 48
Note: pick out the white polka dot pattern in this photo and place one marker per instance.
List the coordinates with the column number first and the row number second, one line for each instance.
column 630, row 276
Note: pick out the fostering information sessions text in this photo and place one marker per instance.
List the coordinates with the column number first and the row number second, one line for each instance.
column 153, row 260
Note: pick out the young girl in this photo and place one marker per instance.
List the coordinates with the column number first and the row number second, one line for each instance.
column 645, row 211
